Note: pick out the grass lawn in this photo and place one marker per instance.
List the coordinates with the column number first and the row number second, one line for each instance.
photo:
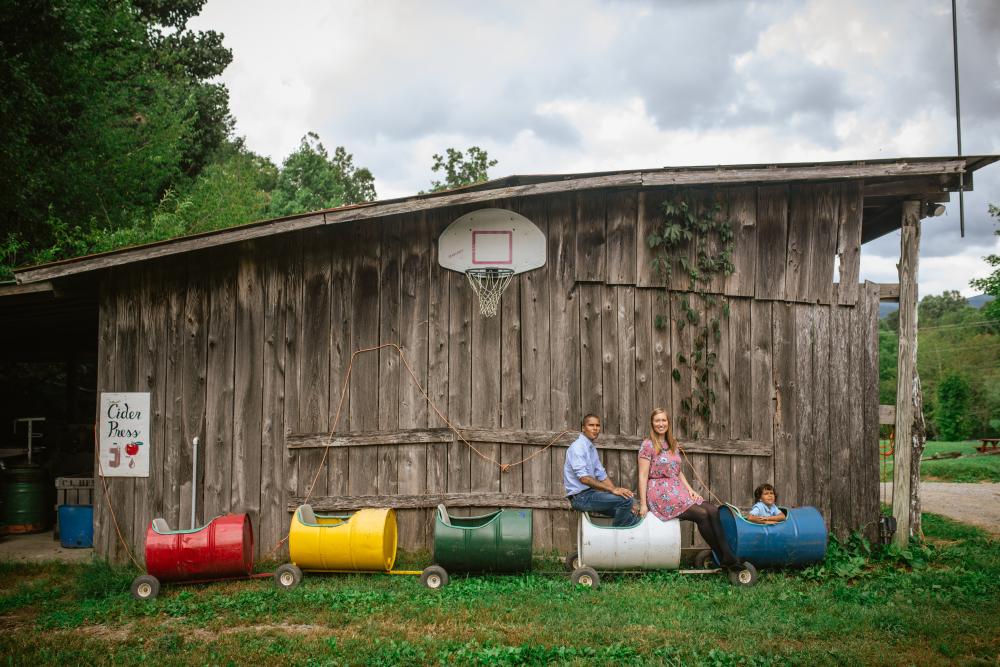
column 939, row 603
column 971, row 467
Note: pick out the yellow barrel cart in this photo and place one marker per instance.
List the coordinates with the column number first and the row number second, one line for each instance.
column 364, row 541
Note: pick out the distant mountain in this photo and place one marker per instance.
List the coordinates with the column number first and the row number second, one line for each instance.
column 980, row 300
column 977, row 301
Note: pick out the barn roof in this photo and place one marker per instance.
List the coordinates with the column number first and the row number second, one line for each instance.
column 887, row 183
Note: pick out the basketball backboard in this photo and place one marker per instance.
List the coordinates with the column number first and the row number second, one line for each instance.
column 492, row 238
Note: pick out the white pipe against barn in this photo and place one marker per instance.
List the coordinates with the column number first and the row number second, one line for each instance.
column 194, row 483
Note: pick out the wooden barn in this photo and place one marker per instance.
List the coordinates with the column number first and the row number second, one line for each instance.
column 243, row 338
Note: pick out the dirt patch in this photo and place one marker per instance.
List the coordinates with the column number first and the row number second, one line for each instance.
column 301, row 629
column 116, row 634
column 39, row 547
column 975, row 504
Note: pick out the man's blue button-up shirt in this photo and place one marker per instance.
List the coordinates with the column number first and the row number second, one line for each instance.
column 581, row 461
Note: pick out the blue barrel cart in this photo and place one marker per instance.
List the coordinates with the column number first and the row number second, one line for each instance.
column 797, row 541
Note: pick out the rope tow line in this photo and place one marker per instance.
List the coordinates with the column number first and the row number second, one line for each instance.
column 111, row 510
column 704, row 485
column 504, row 467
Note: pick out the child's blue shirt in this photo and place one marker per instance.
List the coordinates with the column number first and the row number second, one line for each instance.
column 762, row 509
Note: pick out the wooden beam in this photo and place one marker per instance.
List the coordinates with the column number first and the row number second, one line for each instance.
column 778, row 174
column 888, row 292
column 341, row 503
column 399, row 437
column 914, row 188
column 24, row 290
column 907, row 383
column 516, row 437
column 882, row 202
column 643, row 179
column 880, row 224
column 886, row 414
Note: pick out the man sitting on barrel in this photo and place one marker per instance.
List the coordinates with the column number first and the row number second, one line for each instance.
column 587, row 484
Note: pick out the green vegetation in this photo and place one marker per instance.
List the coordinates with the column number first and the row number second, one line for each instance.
column 107, row 106
column 935, row 603
column 698, row 240
column 461, row 169
column 311, row 180
column 957, row 351
column 991, row 283
column 952, row 410
column 970, row 467
column 115, row 132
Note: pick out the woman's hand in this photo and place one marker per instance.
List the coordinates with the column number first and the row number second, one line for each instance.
column 643, row 510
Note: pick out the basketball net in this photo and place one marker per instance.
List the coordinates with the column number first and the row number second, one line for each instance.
column 489, row 284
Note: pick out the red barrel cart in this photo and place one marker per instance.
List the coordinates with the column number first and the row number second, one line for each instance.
column 222, row 549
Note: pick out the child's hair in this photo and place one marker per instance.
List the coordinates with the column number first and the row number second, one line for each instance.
column 657, row 444
column 759, row 491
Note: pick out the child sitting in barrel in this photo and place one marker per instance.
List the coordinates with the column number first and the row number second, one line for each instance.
column 764, row 509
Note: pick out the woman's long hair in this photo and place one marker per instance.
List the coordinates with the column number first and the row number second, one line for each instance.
column 655, row 437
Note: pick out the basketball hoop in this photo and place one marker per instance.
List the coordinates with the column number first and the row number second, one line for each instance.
column 489, row 284
column 491, row 246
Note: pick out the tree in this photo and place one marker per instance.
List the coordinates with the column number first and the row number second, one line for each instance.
column 991, row 283
column 311, row 180
column 461, row 169
column 951, row 413
column 939, row 308
column 106, row 107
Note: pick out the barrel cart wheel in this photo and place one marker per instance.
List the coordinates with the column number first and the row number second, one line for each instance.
column 743, row 576
column 586, row 576
column 434, row 577
column 145, row 587
column 287, row 576
column 572, row 562
column 704, row 560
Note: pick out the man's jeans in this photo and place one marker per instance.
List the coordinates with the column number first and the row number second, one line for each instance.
column 592, row 500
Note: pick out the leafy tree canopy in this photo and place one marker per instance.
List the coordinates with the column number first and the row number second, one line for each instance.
column 460, row 168
column 951, row 413
column 991, row 283
column 955, row 340
column 107, row 106
column 311, row 180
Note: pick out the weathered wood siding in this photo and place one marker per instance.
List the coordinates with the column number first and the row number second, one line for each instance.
column 248, row 348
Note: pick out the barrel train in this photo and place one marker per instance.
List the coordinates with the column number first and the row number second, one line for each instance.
column 498, row 542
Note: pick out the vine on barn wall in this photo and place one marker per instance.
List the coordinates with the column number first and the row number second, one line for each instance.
column 680, row 227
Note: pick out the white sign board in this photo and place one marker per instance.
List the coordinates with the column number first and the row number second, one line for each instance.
column 124, row 432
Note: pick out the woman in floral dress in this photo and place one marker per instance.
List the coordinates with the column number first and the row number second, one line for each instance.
column 664, row 491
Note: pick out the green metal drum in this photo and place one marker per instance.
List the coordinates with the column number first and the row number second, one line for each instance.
column 496, row 542
column 26, row 499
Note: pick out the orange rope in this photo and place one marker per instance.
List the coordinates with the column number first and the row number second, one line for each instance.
column 111, row 510
column 698, row 477
column 504, row 467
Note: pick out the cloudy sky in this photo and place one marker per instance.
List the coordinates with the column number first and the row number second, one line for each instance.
column 554, row 87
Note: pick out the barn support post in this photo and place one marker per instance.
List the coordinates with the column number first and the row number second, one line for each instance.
column 909, row 401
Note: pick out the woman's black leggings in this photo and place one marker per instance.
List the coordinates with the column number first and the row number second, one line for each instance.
column 706, row 517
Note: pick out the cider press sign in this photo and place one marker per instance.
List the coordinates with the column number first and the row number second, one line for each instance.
column 124, row 431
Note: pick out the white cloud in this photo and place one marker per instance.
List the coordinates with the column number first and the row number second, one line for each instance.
column 935, row 274
column 551, row 88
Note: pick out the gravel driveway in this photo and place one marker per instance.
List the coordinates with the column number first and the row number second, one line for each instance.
column 976, row 504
